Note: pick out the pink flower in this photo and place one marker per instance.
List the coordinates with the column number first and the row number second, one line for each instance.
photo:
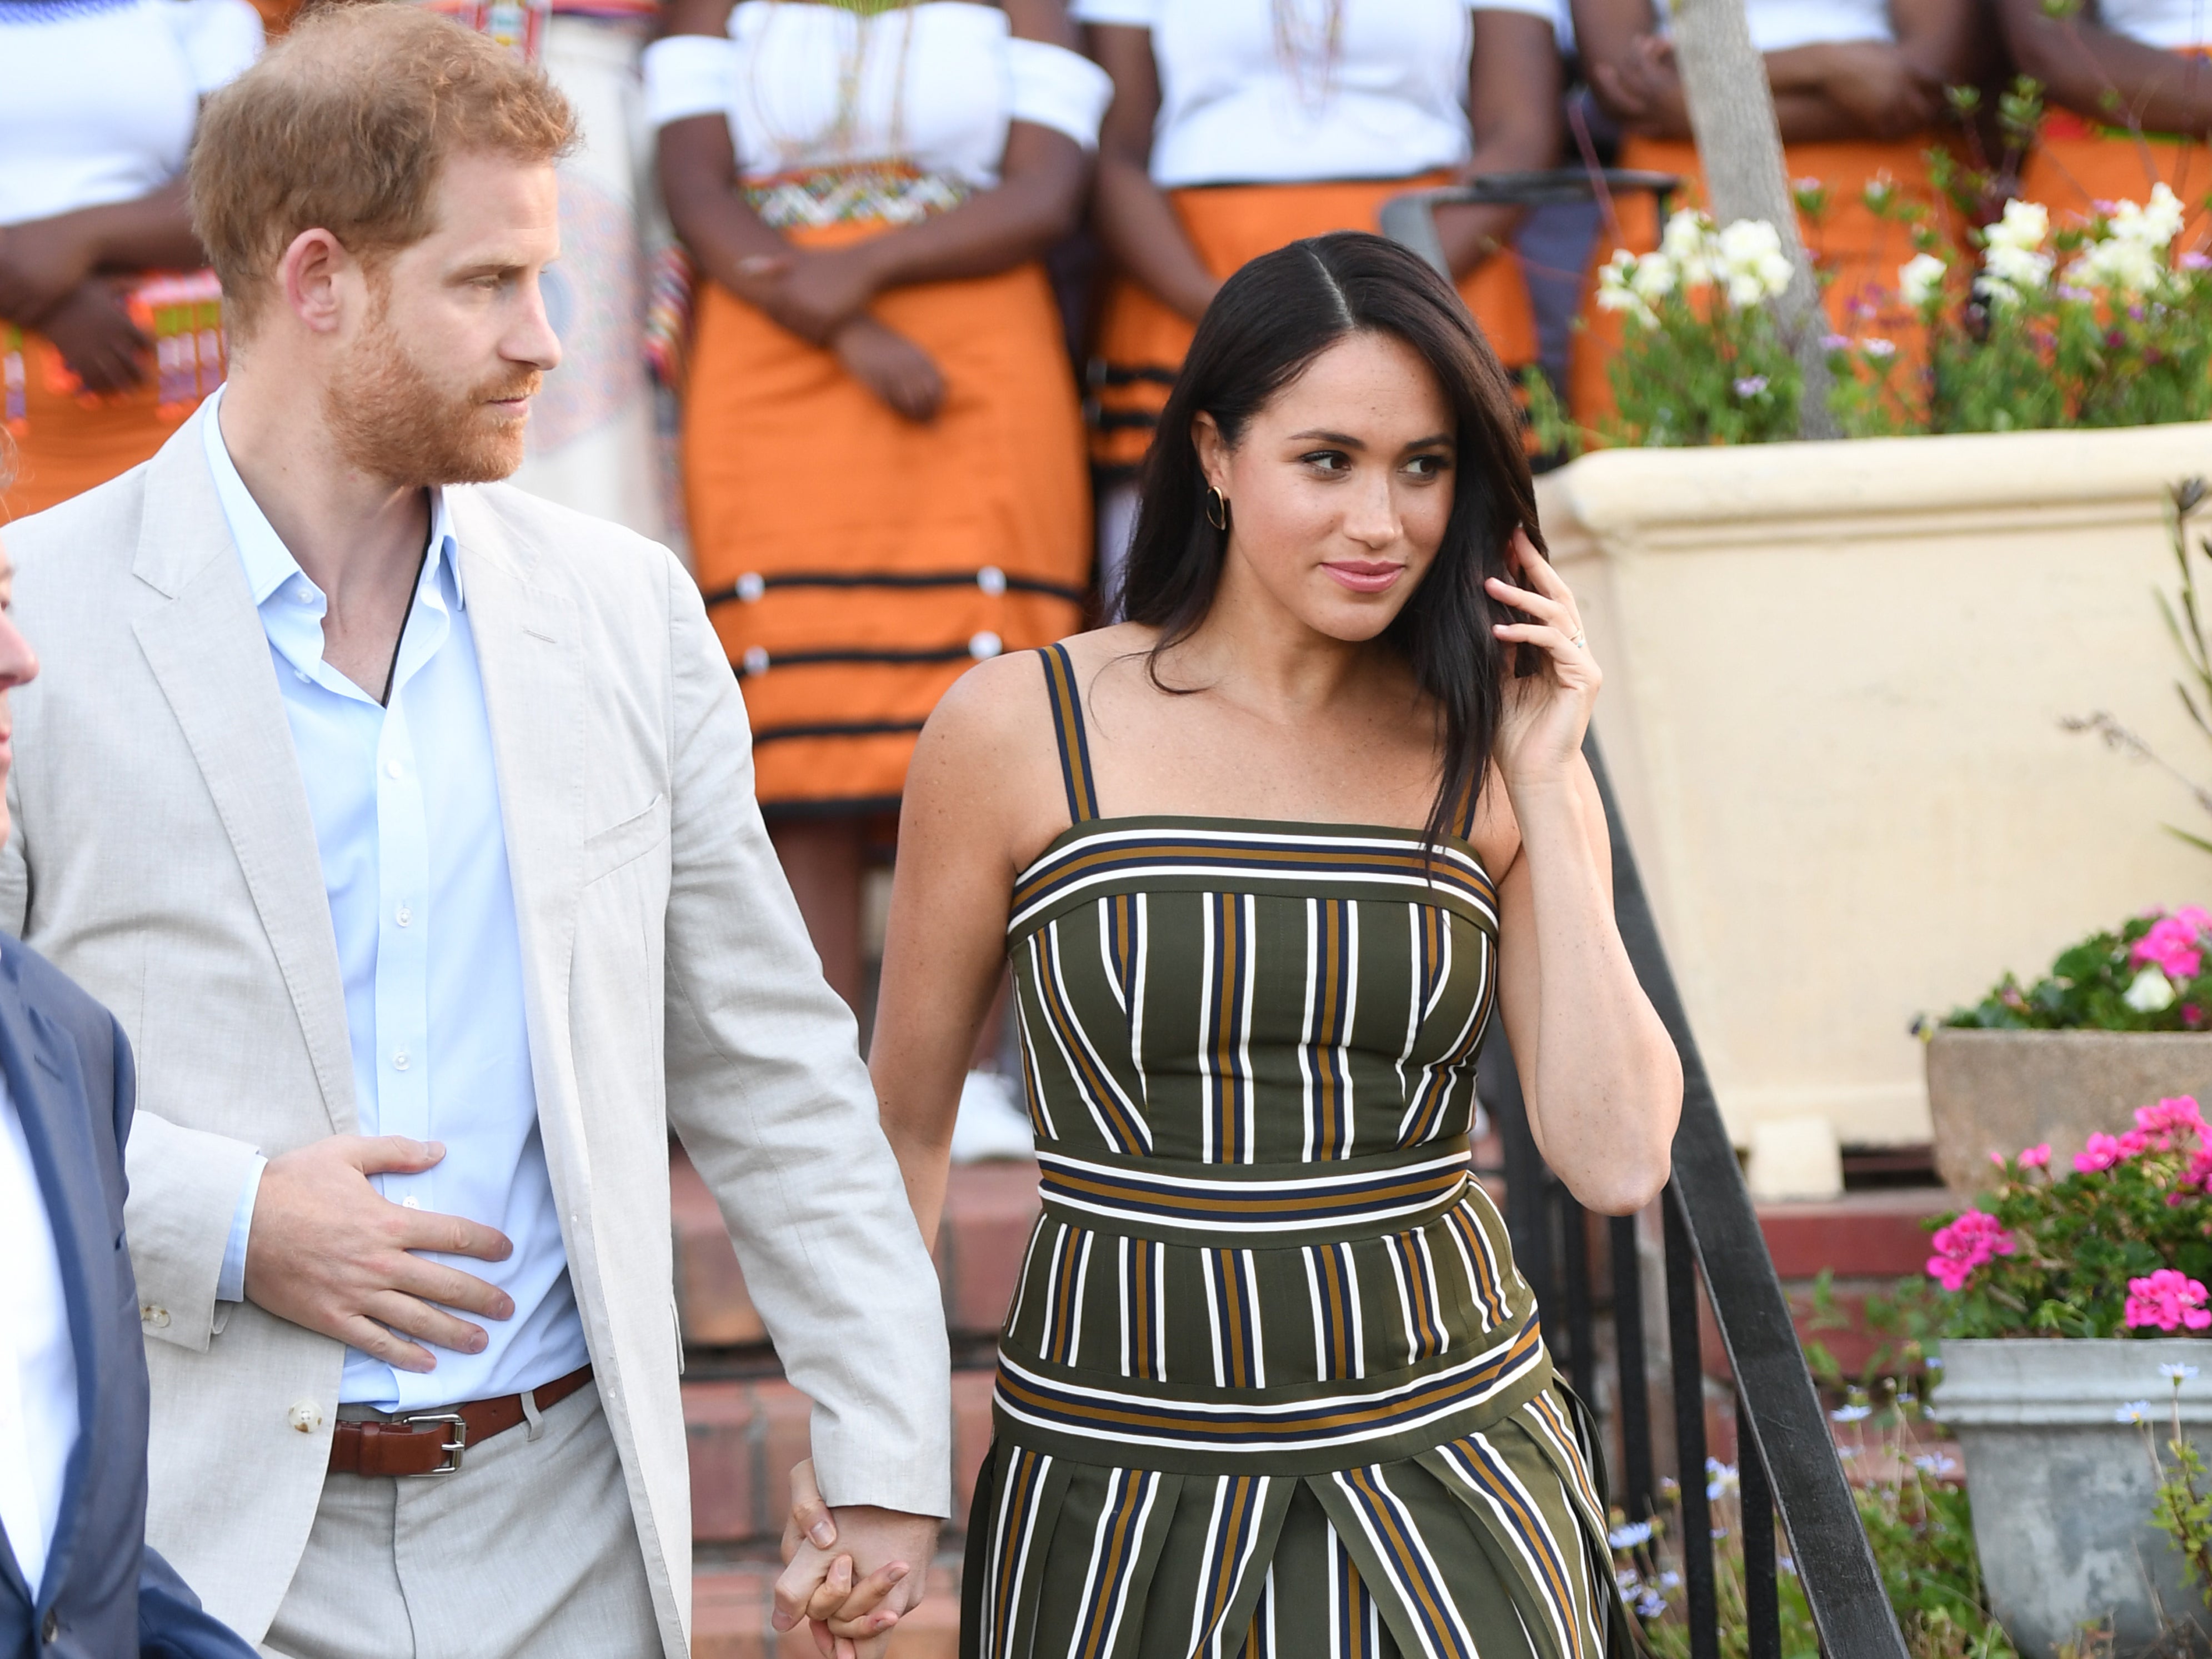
column 2035, row 1157
column 1971, row 1241
column 2192, row 1015
column 2168, row 1299
column 2103, row 1151
column 2175, row 1117
column 2175, row 943
column 2134, row 1144
column 2200, row 1167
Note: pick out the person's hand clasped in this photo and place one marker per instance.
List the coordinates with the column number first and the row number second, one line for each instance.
column 826, row 1550
column 892, row 366
column 1540, row 732
column 103, row 347
column 41, row 265
column 328, row 1251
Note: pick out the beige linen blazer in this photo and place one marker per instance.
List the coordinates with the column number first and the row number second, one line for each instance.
column 163, row 856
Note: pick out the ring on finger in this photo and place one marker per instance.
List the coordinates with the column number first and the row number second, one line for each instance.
column 1579, row 642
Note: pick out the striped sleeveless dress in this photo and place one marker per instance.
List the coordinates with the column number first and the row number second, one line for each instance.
column 1270, row 1383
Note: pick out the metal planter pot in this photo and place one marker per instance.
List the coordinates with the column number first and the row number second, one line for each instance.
column 2063, row 1490
column 1998, row 1091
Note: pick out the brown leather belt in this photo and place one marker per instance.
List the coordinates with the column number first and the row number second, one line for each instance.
column 433, row 1443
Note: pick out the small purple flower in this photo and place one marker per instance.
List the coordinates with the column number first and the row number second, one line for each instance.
column 2137, row 312
column 2068, row 291
column 1835, row 341
column 1750, row 385
column 2194, row 260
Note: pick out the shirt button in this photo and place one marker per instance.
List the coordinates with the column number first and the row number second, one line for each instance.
column 301, row 675
column 392, row 769
column 404, row 915
column 154, row 1317
column 411, row 1202
column 305, row 595
column 305, row 1416
column 399, row 1060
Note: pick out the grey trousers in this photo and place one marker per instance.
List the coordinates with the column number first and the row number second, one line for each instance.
column 529, row 1552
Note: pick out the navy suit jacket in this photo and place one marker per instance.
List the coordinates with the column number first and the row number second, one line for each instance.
column 105, row 1595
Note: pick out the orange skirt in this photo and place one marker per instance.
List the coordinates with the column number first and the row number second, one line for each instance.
column 1854, row 247
column 68, row 440
column 856, row 564
column 1141, row 341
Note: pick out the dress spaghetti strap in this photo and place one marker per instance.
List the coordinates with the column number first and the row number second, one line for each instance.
column 1074, row 740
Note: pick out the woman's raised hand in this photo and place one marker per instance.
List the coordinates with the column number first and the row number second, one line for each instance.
column 1540, row 733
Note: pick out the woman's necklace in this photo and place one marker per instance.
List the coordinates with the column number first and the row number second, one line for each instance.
column 1309, row 48
column 837, row 141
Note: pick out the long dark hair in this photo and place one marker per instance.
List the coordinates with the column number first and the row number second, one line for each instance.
column 1268, row 322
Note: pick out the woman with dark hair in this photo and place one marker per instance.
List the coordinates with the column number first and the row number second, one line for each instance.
column 1261, row 856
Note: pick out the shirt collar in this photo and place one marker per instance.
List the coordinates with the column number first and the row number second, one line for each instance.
column 269, row 563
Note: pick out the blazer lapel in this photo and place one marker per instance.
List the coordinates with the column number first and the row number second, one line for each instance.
column 49, row 1095
column 211, row 655
column 530, row 656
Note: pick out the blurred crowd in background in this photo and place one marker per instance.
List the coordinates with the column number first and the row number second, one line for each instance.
column 868, row 306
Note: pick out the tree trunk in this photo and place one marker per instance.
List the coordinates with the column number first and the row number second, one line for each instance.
column 1740, row 144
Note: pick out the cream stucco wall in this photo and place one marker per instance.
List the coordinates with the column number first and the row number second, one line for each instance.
column 1835, row 675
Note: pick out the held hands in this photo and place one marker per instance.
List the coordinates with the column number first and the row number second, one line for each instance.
column 1540, row 732
column 328, row 1251
column 825, row 1549
column 813, row 293
column 1643, row 88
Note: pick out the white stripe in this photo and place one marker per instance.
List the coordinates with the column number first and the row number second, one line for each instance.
column 1359, row 1325
column 1466, row 1262
column 1021, row 1284
column 1319, row 1312
column 1348, row 1107
column 1394, row 1251
column 1247, row 967
column 1075, row 1314
column 1128, row 1308
column 1511, row 1525
column 1022, row 1561
column 1160, row 1272
column 1463, row 1639
column 1212, row 1549
column 1211, row 1275
column 1152, row 1480
column 1104, row 911
column 1309, row 1089
column 1208, row 1152
column 1324, row 1178
column 1051, row 1278
column 1251, row 1287
column 1029, row 1049
column 1413, row 1010
column 1140, row 950
column 1429, row 1280
column 1075, row 1071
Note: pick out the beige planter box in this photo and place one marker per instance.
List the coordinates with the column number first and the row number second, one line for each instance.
column 1998, row 1091
column 1834, row 678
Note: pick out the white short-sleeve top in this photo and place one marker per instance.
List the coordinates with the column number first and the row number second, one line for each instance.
column 935, row 85
column 98, row 98
column 1780, row 24
column 2169, row 25
column 1257, row 92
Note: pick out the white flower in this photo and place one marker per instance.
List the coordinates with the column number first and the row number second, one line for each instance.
column 1935, row 1463
column 1920, row 279
column 1751, row 257
column 2134, row 1410
column 1634, row 1536
column 2122, row 266
column 1687, row 243
column 1650, row 1604
column 2023, row 228
column 1856, row 1412
column 2152, row 992
column 1720, row 1479
column 2010, row 274
column 2177, row 1374
column 2154, row 226
column 1614, row 289
column 1670, row 1580
column 1652, row 277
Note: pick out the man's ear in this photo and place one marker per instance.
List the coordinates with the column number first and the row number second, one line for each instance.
column 314, row 275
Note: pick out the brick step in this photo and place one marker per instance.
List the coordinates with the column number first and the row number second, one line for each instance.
column 988, row 1211
column 730, row 1608
column 743, row 1436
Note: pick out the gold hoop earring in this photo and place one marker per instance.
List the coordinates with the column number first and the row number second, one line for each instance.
column 1217, row 509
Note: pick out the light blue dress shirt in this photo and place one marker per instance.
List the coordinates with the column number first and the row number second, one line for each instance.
column 406, row 809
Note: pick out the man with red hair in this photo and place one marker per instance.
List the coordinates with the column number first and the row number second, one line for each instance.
column 407, row 824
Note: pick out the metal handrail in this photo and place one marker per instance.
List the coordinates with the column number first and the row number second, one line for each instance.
column 1410, row 219
column 1786, row 1453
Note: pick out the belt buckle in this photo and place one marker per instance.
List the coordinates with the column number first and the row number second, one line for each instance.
column 454, row 1448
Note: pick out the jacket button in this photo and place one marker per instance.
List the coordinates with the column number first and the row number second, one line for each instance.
column 157, row 1318
column 50, row 1631
column 307, row 1417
